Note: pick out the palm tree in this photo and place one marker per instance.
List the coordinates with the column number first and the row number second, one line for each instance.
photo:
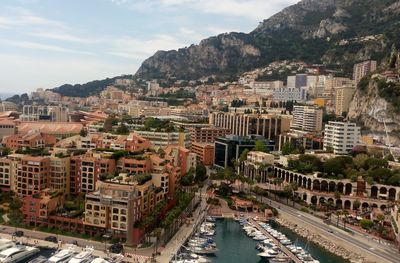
column 345, row 213
column 338, row 214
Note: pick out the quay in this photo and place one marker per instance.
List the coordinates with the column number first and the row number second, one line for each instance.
column 177, row 241
column 276, row 242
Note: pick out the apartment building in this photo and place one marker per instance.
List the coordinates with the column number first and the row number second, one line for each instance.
column 341, row 136
column 85, row 172
column 5, row 173
column 134, row 165
column 290, row 94
column 7, row 128
column 44, row 113
column 117, row 206
column 204, row 152
column 343, row 97
column 207, row 134
column 32, row 139
column 267, row 125
column 256, row 165
column 33, row 175
column 362, row 69
column 163, row 139
column 307, row 118
column 60, row 174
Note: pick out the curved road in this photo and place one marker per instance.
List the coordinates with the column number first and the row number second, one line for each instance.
column 384, row 252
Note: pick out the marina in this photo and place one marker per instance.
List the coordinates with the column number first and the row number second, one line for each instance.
column 247, row 240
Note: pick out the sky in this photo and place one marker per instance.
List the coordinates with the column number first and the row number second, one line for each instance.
column 47, row 43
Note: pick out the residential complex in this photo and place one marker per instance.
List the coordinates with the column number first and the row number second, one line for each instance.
column 267, row 125
column 343, row 97
column 341, row 137
column 362, row 69
column 307, row 118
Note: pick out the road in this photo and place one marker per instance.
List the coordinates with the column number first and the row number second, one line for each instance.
column 384, row 252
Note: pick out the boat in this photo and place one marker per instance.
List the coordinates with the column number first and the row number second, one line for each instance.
column 266, row 254
column 17, row 253
column 82, row 257
column 210, row 219
column 62, row 255
column 281, row 258
column 193, row 256
column 5, row 243
column 99, row 260
column 207, row 250
column 39, row 259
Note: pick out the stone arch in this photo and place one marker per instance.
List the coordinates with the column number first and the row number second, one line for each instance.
column 287, row 177
column 347, row 204
column 365, row 205
column 291, row 177
column 331, row 187
column 374, row 192
column 339, row 203
column 392, row 194
column 322, row 200
column 316, row 185
column 304, row 196
column 309, row 183
column 383, row 192
column 295, row 177
column 340, row 187
column 304, row 182
column 383, row 207
column 324, row 186
column 314, row 200
column 374, row 205
column 330, row 200
column 348, row 189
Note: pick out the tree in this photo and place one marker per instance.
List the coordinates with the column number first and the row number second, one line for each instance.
column 187, row 179
column 108, row 123
column 288, row 148
column 260, row 146
column 201, row 173
column 83, row 132
column 366, row 224
column 243, row 155
column 359, row 160
column 356, row 204
column 122, row 129
column 346, row 214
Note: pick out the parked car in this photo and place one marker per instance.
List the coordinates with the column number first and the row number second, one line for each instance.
column 73, row 242
column 51, row 239
column 116, row 248
column 18, row 233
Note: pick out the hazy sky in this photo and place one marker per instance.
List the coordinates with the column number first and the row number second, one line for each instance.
column 46, row 43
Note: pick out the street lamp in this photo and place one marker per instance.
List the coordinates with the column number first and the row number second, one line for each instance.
column 106, row 237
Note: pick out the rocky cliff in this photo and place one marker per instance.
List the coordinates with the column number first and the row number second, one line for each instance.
column 333, row 32
column 373, row 112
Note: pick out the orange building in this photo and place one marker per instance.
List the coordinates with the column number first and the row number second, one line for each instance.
column 30, row 140
column 207, row 134
column 204, row 152
column 33, row 175
column 134, row 165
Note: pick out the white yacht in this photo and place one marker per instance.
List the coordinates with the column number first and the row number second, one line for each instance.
column 5, row 243
column 99, row 260
column 62, row 255
column 17, row 253
column 82, row 257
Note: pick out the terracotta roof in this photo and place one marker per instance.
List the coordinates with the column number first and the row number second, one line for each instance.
column 50, row 127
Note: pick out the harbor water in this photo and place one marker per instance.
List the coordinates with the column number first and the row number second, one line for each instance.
column 235, row 247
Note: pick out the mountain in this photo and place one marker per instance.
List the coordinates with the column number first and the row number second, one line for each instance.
column 333, row 32
column 89, row 88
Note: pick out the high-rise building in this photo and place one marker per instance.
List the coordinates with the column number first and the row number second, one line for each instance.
column 206, row 134
column 343, row 97
column 341, row 136
column 307, row 118
column 297, row 81
column 59, row 173
column 267, row 125
column 362, row 69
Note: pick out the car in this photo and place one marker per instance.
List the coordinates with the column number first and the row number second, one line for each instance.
column 18, row 233
column 116, row 248
column 73, row 242
column 51, row 239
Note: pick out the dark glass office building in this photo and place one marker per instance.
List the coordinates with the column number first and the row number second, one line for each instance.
column 229, row 148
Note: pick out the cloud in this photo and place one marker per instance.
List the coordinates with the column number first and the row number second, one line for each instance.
column 256, row 10
column 133, row 48
column 40, row 46
column 26, row 18
column 64, row 37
